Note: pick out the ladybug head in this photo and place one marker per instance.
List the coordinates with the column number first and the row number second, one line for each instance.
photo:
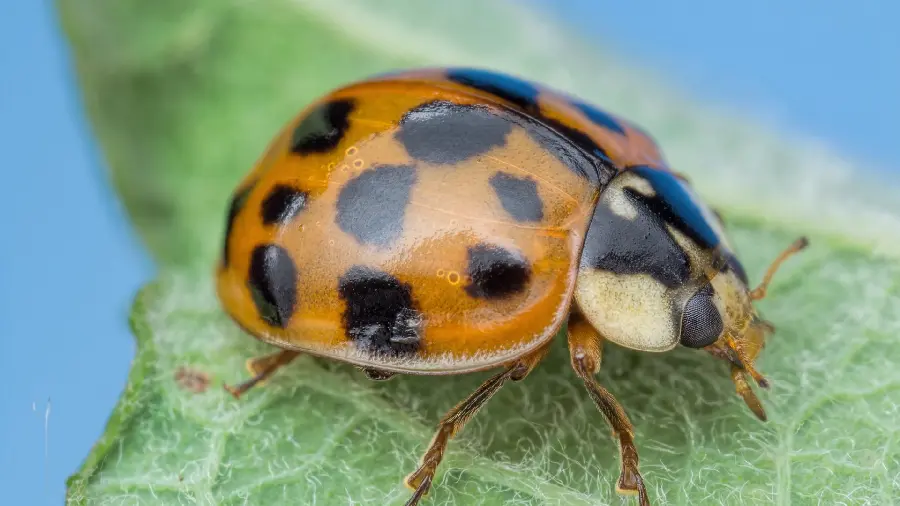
column 720, row 317
column 657, row 271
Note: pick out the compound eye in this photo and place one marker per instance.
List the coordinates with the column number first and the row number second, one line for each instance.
column 701, row 323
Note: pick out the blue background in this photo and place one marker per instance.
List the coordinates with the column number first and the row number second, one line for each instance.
column 70, row 264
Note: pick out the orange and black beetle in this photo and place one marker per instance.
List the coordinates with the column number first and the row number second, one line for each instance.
column 444, row 221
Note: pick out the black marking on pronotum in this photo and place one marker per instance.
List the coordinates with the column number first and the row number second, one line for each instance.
column 238, row 200
column 496, row 272
column 380, row 315
column 640, row 245
column 441, row 132
column 272, row 281
column 372, row 206
column 701, row 322
column 511, row 89
column 674, row 205
column 518, row 196
column 323, row 127
column 282, row 204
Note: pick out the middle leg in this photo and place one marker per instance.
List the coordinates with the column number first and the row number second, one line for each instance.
column 453, row 422
column 586, row 349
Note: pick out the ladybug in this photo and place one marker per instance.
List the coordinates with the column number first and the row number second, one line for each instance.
column 452, row 220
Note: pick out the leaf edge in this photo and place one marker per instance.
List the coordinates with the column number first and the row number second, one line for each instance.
column 127, row 404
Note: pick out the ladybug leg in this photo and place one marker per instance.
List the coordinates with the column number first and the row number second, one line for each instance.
column 420, row 480
column 742, row 386
column 261, row 368
column 586, row 349
column 377, row 375
column 752, row 343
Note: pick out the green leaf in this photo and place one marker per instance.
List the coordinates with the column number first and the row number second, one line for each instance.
column 184, row 96
column 320, row 433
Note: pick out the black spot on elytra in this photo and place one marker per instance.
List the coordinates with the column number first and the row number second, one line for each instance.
column 380, row 315
column 581, row 139
column 600, row 117
column 563, row 143
column 633, row 246
column 238, row 200
column 496, row 272
column 442, row 132
column 511, row 89
column 272, row 281
column 282, row 204
column 524, row 95
column 371, row 207
column 519, row 196
column 322, row 128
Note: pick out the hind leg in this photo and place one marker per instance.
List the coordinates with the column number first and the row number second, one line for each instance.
column 262, row 368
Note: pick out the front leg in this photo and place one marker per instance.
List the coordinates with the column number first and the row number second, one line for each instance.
column 752, row 343
column 586, row 349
